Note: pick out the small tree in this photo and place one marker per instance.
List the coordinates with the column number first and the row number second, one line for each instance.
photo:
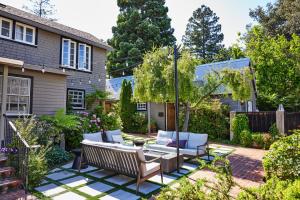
column 127, row 107
column 42, row 8
column 154, row 81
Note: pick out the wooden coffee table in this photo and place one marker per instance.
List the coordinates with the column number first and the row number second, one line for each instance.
column 169, row 160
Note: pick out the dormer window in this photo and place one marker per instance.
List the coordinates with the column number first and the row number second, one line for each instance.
column 25, row 33
column 5, row 28
column 69, row 53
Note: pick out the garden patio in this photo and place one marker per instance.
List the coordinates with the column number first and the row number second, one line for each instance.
column 93, row 183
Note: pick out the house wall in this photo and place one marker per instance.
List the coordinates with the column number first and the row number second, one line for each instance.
column 48, row 91
column 48, row 52
column 155, row 109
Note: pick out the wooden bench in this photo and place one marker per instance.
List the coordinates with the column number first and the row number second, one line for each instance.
column 129, row 161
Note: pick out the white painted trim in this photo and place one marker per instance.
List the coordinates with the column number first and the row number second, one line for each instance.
column 10, row 27
column 84, row 57
column 69, row 53
column 24, row 33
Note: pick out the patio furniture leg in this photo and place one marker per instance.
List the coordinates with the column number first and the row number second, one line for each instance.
column 138, row 184
column 81, row 154
column 161, row 172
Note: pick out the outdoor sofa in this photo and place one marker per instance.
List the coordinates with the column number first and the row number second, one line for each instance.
column 122, row 159
column 191, row 144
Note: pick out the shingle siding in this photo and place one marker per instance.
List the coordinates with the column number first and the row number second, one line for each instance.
column 47, row 52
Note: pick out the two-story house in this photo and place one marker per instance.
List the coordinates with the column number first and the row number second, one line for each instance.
column 44, row 63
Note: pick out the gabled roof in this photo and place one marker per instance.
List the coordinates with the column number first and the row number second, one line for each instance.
column 51, row 26
column 114, row 85
column 238, row 64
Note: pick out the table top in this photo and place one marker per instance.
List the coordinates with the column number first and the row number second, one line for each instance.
column 164, row 155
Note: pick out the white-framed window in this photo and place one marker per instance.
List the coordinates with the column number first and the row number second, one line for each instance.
column 24, row 33
column 141, row 106
column 6, row 28
column 18, row 95
column 68, row 53
column 84, row 57
column 76, row 98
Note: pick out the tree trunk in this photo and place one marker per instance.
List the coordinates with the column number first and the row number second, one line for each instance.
column 187, row 117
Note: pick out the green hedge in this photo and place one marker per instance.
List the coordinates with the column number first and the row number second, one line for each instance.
column 212, row 119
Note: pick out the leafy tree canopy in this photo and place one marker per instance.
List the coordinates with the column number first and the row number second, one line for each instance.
column 277, row 67
column 281, row 17
column 141, row 25
column 203, row 34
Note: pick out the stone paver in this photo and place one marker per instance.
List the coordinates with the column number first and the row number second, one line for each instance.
column 50, row 189
column 95, row 189
column 60, row 175
column 75, row 181
column 69, row 195
column 145, row 187
column 119, row 179
column 120, row 195
column 166, row 179
column 101, row 173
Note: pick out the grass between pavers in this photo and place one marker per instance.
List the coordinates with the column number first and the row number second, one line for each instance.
column 102, row 180
column 115, row 186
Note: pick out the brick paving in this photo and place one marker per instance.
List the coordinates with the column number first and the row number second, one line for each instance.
column 246, row 166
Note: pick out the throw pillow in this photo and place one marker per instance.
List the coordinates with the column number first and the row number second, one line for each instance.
column 95, row 137
column 174, row 144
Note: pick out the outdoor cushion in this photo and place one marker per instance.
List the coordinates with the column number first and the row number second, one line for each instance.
column 182, row 144
column 118, row 139
column 164, row 137
column 191, row 152
column 196, row 140
column 95, row 137
column 109, row 134
column 162, row 148
column 150, row 168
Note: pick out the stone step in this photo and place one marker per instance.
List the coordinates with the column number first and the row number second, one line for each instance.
column 3, row 160
column 9, row 184
column 7, row 171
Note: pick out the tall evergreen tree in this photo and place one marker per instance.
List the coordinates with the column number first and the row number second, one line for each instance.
column 203, row 34
column 42, row 8
column 127, row 107
column 281, row 17
column 141, row 25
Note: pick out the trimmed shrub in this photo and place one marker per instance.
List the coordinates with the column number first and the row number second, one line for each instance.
column 283, row 158
column 56, row 156
column 273, row 189
column 239, row 123
column 211, row 118
column 246, row 138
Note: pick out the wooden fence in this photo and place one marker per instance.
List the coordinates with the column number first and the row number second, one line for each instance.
column 291, row 121
column 260, row 121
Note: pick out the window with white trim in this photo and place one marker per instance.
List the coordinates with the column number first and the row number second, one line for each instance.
column 24, row 33
column 18, row 95
column 84, row 57
column 68, row 53
column 6, row 28
column 76, row 98
column 141, row 106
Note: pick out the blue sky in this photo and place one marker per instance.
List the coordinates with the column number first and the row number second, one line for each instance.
column 98, row 16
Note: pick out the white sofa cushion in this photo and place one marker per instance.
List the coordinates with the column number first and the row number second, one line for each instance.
column 159, row 147
column 182, row 136
column 118, row 139
column 164, row 137
column 196, row 139
column 95, row 137
column 109, row 134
